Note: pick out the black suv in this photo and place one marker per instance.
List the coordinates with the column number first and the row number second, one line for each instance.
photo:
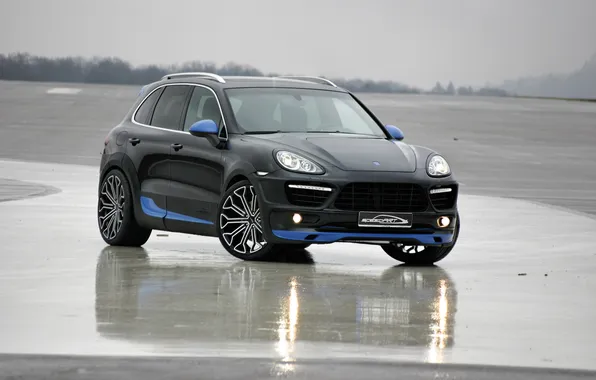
column 270, row 163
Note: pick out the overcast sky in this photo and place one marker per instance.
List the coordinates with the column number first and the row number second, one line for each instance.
column 417, row 42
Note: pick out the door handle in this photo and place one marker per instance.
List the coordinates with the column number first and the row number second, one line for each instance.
column 134, row 141
column 177, row 147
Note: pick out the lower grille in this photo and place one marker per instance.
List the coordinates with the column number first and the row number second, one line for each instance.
column 307, row 195
column 443, row 199
column 396, row 197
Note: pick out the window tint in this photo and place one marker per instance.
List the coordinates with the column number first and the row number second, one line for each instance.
column 235, row 103
column 349, row 117
column 169, row 108
column 203, row 105
column 300, row 110
column 144, row 111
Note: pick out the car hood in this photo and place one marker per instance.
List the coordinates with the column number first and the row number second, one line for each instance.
column 348, row 152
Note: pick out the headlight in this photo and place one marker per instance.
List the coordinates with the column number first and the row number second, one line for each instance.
column 296, row 163
column 438, row 167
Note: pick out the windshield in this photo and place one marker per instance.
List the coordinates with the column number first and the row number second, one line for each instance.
column 266, row 110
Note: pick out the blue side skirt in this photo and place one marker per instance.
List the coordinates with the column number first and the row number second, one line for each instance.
column 150, row 208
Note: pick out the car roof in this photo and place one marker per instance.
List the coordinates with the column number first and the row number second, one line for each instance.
column 224, row 82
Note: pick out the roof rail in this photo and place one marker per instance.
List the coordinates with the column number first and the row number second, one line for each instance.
column 195, row 74
column 309, row 79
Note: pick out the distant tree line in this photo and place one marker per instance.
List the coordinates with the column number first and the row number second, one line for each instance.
column 451, row 90
column 108, row 70
column 578, row 84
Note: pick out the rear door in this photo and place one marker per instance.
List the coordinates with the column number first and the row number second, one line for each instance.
column 149, row 143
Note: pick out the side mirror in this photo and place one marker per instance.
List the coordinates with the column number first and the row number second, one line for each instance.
column 204, row 128
column 208, row 129
column 395, row 132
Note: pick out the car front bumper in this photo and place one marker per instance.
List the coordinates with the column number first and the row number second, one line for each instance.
column 326, row 223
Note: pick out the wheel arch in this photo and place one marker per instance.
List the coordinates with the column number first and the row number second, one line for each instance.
column 124, row 164
column 234, row 180
column 238, row 171
column 113, row 162
column 120, row 162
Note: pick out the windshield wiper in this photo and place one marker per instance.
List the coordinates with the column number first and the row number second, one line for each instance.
column 343, row 132
column 260, row 132
column 325, row 132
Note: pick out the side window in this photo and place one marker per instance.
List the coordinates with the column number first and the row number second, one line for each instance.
column 144, row 111
column 203, row 105
column 169, row 108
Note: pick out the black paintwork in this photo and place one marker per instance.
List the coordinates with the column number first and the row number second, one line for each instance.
column 188, row 175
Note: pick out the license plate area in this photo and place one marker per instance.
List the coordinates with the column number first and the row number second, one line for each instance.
column 385, row 219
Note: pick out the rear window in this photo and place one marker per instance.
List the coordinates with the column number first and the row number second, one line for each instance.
column 168, row 111
column 144, row 111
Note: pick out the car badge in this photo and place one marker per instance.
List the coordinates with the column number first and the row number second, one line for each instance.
column 376, row 163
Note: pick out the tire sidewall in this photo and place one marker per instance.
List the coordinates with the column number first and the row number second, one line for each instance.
column 430, row 255
column 260, row 255
column 127, row 210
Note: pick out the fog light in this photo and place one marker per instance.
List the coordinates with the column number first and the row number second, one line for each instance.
column 297, row 218
column 443, row 221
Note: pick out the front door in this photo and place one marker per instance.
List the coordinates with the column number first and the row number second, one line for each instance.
column 196, row 171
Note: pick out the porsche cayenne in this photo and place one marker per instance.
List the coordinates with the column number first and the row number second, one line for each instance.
column 271, row 163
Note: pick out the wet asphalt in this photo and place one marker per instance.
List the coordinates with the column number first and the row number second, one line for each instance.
column 517, row 291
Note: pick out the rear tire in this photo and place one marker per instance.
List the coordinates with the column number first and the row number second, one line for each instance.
column 427, row 256
column 239, row 224
column 115, row 213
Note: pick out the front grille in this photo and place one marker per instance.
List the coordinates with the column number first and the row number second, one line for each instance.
column 444, row 200
column 305, row 196
column 396, row 197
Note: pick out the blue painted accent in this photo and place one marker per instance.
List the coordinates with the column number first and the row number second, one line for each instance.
column 395, row 132
column 330, row 237
column 186, row 218
column 150, row 208
column 204, row 127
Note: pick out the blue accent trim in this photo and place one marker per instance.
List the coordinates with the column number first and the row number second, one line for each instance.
column 186, row 218
column 330, row 237
column 206, row 126
column 395, row 132
column 150, row 208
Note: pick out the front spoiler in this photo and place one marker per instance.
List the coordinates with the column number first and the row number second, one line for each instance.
column 317, row 237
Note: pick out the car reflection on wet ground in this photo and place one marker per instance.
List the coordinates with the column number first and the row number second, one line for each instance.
column 145, row 300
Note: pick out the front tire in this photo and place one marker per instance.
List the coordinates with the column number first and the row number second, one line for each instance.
column 115, row 212
column 239, row 224
column 421, row 255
